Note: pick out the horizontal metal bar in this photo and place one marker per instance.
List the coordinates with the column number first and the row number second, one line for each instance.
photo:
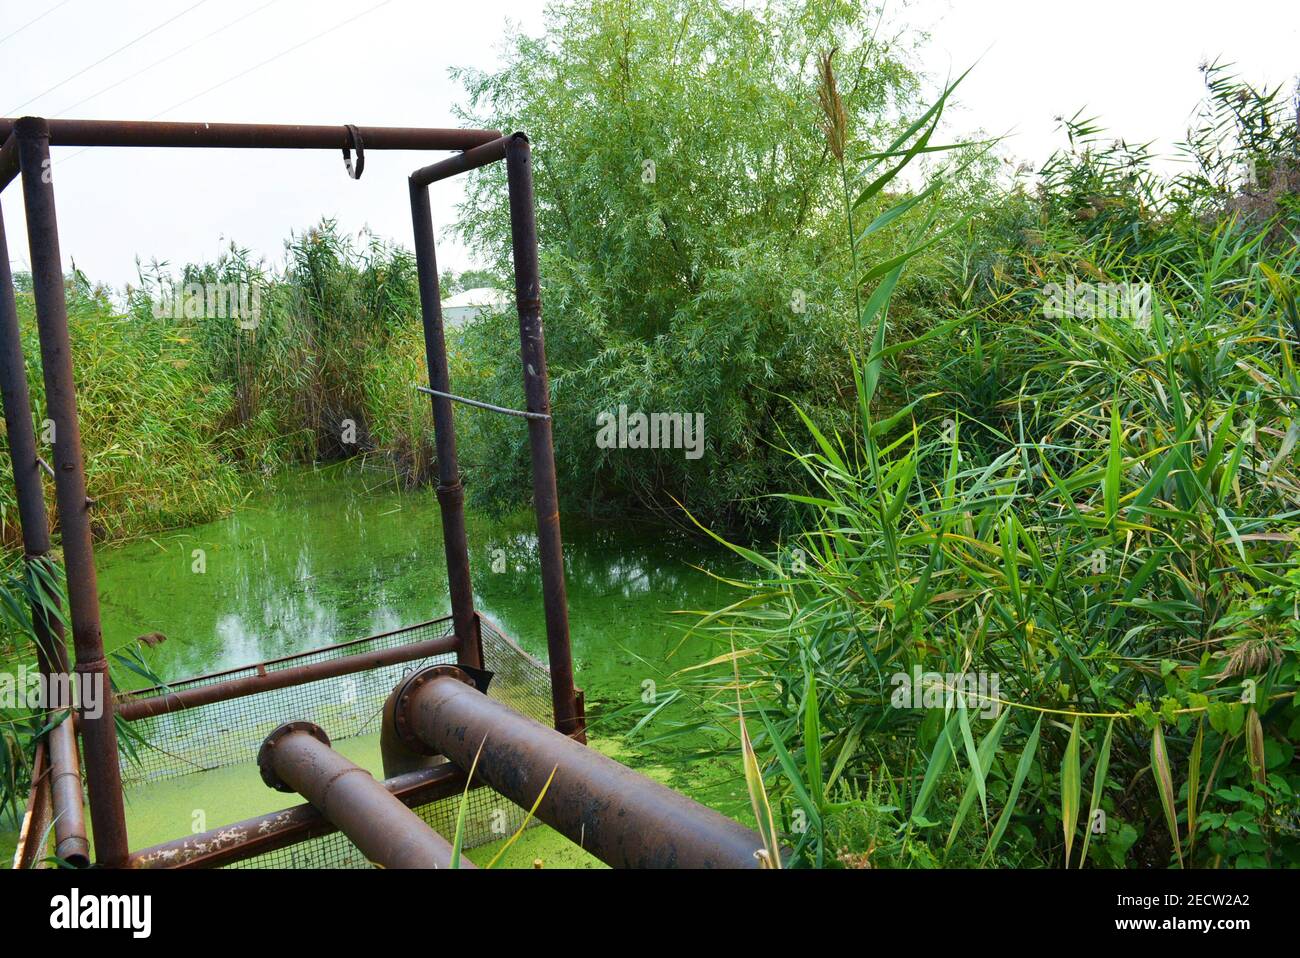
column 289, row 826
column 265, row 136
column 469, row 160
column 265, row 664
column 132, row 709
column 522, row 413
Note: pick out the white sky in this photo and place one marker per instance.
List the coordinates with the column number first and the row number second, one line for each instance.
column 1133, row 62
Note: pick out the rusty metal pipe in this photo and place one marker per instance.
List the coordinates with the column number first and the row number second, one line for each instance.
column 288, row 826
column 33, row 833
column 623, row 818
column 451, row 495
column 51, row 649
column 136, row 133
column 462, row 163
column 70, row 842
column 297, row 757
column 164, row 703
column 546, row 499
column 99, row 734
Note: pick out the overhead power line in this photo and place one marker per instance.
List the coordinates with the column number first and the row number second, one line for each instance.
column 254, row 67
column 170, row 56
column 272, row 59
column 34, row 20
column 126, row 46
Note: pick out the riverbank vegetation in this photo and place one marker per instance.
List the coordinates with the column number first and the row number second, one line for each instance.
column 1044, row 608
column 1031, row 429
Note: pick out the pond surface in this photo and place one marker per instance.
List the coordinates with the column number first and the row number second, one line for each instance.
column 336, row 554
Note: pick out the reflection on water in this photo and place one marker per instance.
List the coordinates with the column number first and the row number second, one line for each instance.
column 330, row 556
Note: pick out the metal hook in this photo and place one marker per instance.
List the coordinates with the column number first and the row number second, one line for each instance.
column 354, row 135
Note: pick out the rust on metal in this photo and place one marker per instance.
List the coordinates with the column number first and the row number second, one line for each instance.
column 51, row 652
column 546, row 497
column 252, row 136
column 297, row 757
column 633, row 822
column 622, row 817
column 290, row 826
column 33, row 833
column 51, row 649
column 70, row 844
column 163, row 702
column 451, row 497
column 99, row 733
column 471, row 159
column 8, row 161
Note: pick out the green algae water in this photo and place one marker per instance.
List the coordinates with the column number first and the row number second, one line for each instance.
column 335, row 554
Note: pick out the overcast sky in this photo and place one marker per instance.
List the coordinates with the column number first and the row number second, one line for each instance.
column 370, row 62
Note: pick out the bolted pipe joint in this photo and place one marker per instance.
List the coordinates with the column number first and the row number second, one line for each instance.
column 622, row 817
column 400, row 748
column 266, row 754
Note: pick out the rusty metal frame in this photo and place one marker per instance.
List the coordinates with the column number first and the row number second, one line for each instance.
column 517, row 153
column 288, row 826
column 147, row 703
column 25, row 153
column 624, row 818
column 298, row 757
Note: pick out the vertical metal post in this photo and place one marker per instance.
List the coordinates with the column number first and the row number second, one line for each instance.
column 99, row 734
column 51, row 651
column 528, row 295
column 451, row 495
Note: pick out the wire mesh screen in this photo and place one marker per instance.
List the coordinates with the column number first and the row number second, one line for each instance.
column 229, row 733
column 488, row 818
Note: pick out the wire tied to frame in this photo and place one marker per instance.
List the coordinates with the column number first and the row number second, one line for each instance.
column 521, row 413
column 354, row 138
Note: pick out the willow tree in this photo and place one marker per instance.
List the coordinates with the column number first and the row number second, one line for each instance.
column 693, row 260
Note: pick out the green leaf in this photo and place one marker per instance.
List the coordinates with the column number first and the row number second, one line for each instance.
column 1071, row 790
column 1022, row 771
column 987, row 750
column 812, row 741
column 458, row 839
column 1165, row 787
column 1193, row 784
column 972, row 753
column 1098, row 784
column 940, row 756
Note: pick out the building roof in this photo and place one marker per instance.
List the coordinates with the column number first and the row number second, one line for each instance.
column 480, row 296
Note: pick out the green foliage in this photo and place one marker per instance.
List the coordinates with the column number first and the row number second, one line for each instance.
column 691, row 254
column 149, row 421
column 316, row 358
column 1106, row 524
